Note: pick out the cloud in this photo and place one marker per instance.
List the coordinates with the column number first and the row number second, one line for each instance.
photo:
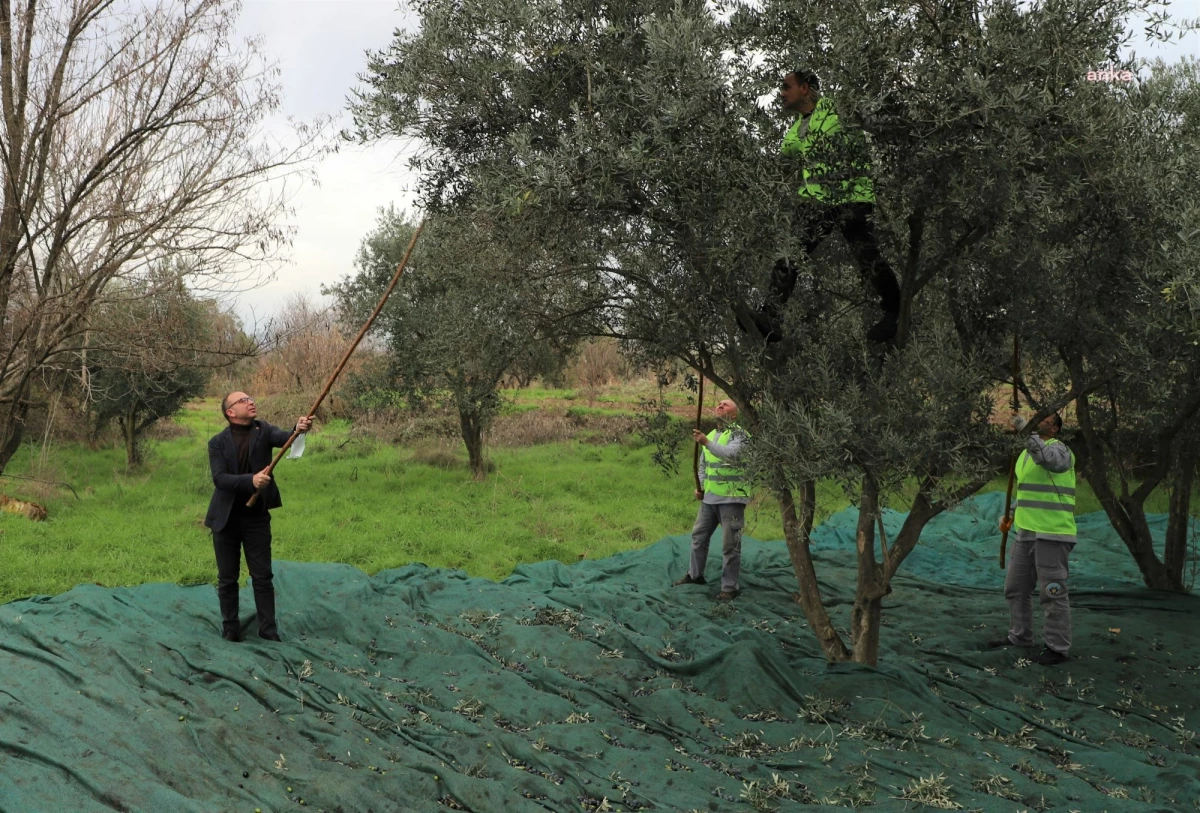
column 320, row 48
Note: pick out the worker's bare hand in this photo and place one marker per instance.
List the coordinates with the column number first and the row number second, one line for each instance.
column 261, row 479
column 699, row 495
column 304, row 423
column 699, row 437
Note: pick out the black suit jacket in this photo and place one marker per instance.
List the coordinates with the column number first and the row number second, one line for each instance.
column 230, row 485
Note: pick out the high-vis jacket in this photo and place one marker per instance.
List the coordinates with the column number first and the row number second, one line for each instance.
column 724, row 481
column 835, row 165
column 1045, row 499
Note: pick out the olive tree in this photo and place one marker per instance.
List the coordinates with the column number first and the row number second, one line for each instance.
column 994, row 165
column 459, row 323
column 630, row 141
column 1109, row 308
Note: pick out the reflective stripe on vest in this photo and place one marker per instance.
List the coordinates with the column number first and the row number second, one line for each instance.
column 848, row 185
column 1045, row 500
column 720, row 478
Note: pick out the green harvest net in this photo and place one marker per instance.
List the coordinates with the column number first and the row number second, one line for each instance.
column 598, row 687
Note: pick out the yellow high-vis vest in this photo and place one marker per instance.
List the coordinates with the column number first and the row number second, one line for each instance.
column 851, row 183
column 722, row 478
column 1045, row 500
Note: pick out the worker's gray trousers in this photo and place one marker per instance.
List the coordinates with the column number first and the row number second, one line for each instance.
column 731, row 518
column 1042, row 564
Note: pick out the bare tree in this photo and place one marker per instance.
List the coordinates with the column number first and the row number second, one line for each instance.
column 303, row 343
column 130, row 136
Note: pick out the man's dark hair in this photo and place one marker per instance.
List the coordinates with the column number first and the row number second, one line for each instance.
column 1057, row 422
column 225, row 406
column 807, row 77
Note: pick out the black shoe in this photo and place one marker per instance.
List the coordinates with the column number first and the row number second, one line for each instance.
column 231, row 634
column 269, row 636
column 728, row 595
column 1050, row 657
column 687, row 579
column 884, row 329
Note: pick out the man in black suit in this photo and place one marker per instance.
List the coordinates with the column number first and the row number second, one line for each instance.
column 239, row 457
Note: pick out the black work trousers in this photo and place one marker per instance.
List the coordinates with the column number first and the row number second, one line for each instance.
column 855, row 221
column 250, row 532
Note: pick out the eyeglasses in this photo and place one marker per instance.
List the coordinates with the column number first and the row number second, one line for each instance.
column 245, row 400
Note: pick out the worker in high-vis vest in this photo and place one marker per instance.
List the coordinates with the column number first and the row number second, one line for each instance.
column 722, row 502
column 1045, row 523
column 836, row 192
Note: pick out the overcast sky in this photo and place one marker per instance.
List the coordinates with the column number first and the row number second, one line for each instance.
column 320, row 47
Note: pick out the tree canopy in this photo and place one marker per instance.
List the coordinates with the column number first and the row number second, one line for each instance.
column 461, row 322
column 634, row 143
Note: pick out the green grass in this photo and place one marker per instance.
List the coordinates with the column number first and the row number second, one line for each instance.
column 538, row 395
column 603, row 412
column 362, row 503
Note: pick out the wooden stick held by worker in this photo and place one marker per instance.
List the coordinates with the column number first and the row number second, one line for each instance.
column 1006, row 522
column 346, row 358
column 696, row 449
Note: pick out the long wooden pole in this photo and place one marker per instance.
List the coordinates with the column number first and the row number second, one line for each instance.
column 1012, row 469
column 346, row 358
column 696, row 450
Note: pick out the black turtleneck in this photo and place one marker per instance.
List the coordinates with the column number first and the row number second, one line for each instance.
column 241, row 439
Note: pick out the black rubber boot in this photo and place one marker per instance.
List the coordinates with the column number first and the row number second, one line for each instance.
column 230, row 626
column 264, row 603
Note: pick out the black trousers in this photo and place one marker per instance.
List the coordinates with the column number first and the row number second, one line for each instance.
column 855, row 221
column 250, row 532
